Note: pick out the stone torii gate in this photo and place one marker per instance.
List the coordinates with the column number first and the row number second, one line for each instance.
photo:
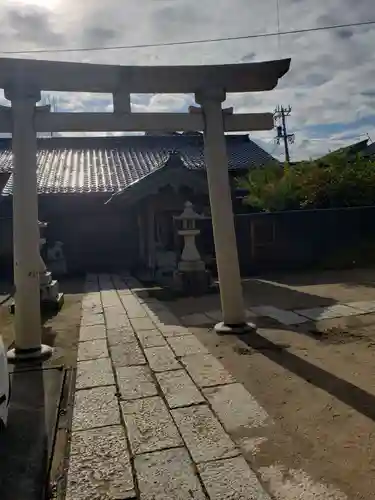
column 23, row 81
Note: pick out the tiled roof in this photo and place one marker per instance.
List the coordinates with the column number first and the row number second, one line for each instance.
column 352, row 149
column 5, row 156
column 110, row 164
column 370, row 150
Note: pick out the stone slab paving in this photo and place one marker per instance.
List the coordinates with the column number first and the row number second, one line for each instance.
column 127, row 354
column 94, row 373
column 154, row 411
column 135, row 382
column 208, row 318
column 91, row 319
column 206, row 370
column 109, row 300
column 231, row 479
column 92, row 349
column 197, row 319
column 168, row 321
column 92, row 332
column 150, row 425
column 161, row 359
column 116, row 320
column 168, row 474
column 178, row 389
column 287, row 318
column 142, row 324
column 204, row 436
column 137, row 313
column 330, row 312
column 120, row 335
column 363, row 306
column 100, row 462
column 96, row 407
column 235, row 407
column 172, row 330
column 216, row 315
column 185, row 345
column 153, row 305
column 151, row 338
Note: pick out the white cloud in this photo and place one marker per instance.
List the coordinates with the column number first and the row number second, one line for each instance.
column 331, row 79
column 161, row 103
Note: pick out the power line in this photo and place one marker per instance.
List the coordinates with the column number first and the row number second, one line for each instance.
column 188, row 42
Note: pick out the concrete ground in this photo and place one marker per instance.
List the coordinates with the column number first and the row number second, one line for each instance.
column 315, row 380
column 32, row 446
column 60, row 331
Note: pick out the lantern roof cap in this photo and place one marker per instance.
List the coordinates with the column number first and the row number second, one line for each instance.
column 188, row 213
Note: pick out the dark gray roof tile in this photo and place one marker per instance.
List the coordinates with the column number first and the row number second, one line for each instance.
column 110, row 164
column 370, row 150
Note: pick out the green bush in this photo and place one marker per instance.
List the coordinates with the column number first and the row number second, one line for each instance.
column 334, row 182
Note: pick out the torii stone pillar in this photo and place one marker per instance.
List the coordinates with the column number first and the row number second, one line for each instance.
column 26, row 254
column 215, row 150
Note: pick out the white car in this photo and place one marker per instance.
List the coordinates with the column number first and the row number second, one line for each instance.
column 4, row 385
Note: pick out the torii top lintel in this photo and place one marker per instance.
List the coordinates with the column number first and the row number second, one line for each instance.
column 86, row 77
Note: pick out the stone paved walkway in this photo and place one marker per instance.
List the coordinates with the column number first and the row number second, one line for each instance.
column 287, row 317
column 155, row 414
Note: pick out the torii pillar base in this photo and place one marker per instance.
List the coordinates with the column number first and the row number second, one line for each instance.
column 223, row 329
column 29, row 355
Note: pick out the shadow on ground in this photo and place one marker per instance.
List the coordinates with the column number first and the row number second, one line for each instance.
column 279, row 294
column 256, row 293
column 346, row 392
column 348, row 277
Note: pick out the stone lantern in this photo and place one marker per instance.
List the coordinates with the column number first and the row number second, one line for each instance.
column 42, row 241
column 192, row 273
column 190, row 258
column 50, row 296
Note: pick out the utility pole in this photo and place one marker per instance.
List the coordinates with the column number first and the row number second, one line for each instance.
column 51, row 101
column 282, row 113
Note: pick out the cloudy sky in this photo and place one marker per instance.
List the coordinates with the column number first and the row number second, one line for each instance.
column 331, row 85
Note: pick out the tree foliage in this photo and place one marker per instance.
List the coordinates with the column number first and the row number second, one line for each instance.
column 335, row 181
